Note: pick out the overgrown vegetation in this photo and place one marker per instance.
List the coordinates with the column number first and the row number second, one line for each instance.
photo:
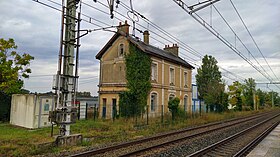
column 138, row 71
column 173, row 106
column 17, row 141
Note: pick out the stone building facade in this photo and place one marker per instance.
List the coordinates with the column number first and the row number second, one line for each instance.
column 170, row 74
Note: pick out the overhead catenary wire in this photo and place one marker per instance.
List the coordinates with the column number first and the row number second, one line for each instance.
column 156, row 26
column 235, row 34
column 252, row 38
column 190, row 49
column 104, row 23
column 211, row 29
column 183, row 45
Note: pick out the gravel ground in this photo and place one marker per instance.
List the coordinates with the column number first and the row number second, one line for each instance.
column 178, row 149
column 193, row 145
column 161, row 140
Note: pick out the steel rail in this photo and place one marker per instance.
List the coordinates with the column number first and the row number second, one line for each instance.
column 139, row 141
column 256, row 141
column 228, row 139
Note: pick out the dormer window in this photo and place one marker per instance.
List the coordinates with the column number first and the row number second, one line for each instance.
column 121, row 50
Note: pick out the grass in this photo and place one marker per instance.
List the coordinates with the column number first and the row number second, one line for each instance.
column 16, row 141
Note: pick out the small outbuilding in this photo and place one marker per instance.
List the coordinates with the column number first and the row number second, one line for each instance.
column 198, row 105
column 31, row 110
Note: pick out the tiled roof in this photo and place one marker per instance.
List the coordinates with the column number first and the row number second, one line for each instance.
column 149, row 49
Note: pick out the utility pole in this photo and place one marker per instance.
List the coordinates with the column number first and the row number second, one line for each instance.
column 66, row 80
column 254, row 100
column 272, row 99
column 65, row 113
column 68, row 64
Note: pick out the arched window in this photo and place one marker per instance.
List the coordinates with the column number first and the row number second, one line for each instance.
column 153, row 101
column 171, row 96
column 185, row 103
column 121, row 50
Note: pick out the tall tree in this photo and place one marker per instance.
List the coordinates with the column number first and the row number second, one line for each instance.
column 216, row 98
column 13, row 66
column 249, row 91
column 208, row 79
column 207, row 74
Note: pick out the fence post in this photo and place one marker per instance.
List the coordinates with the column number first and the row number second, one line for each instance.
column 162, row 114
column 147, row 110
column 94, row 112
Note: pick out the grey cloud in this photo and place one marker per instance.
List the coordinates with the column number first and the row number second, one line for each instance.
column 36, row 30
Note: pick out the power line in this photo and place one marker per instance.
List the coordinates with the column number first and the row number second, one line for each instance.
column 186, row 48
column 240, row 40
column 193, row 51
column 252, row 38
column 217, row 34
column 176, row 39
column 183, row 46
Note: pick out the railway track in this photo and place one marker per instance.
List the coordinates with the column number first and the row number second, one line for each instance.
column 235, row 145
column 249, row 147
column 144, row 145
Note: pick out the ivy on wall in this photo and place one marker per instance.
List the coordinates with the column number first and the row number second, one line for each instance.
column 138, row 72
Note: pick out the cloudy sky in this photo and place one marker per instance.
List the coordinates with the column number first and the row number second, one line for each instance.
column 36, row 30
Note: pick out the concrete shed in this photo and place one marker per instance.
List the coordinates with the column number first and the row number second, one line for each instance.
column 31, row 110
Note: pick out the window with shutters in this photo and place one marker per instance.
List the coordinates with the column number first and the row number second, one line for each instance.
column 154, row 72
column 153, row 101
column 185, row 103
column 172, row 76
column 185, row 79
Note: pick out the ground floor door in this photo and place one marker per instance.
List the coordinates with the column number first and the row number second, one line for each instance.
column 114, row 108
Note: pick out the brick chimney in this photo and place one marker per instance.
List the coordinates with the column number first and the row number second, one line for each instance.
column 173, row 49
column 123, row 28
column 146, row 36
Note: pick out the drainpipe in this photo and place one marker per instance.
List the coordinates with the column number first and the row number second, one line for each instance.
column 34, row 111
column 40, row 113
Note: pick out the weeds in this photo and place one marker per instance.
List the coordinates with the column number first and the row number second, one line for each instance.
column 16, row 141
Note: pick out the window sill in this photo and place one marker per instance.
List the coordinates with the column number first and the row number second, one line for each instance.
column 154, row 81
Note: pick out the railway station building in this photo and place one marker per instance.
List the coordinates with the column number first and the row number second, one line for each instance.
column 170, row 74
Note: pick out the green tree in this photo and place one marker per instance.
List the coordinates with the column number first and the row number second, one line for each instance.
column 216, row 98
column 235, row 94
column 173, row 106
column 261, row 95
column 5, row 105
column 275, row 98
column 128, row 107
column 248, row 92
column 138, row 72
column 208, row 79
column 13, row 66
